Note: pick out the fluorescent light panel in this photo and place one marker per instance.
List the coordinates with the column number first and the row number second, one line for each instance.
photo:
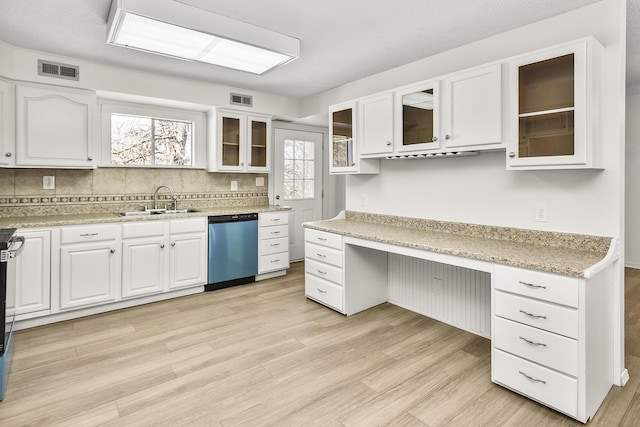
column 151, row 35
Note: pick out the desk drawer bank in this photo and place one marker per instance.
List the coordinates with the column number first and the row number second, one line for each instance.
column 544, row 299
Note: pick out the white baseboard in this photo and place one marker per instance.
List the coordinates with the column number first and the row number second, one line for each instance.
column 631, row 264
column 624, row 377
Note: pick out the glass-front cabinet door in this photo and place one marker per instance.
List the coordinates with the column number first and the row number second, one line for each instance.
column 553, row 92
column 259, row 146
column 230, row 139
column 343, row 139
column 418, row 117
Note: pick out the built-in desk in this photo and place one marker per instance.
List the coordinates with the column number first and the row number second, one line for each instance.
column 545, row 299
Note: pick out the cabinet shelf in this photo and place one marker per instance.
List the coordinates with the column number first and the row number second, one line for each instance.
column 545, row 112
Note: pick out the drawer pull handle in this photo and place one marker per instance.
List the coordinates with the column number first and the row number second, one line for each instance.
column 88, row 234
column 275, row 232
column 531, row 285
column 532, row 342
column 275, row 244
column 322, row 239
column 321, row 272
column 533, row 316
column 535, row 380
column 321, row 256
column 273, row 261
column 321, row 291
column 275, row 219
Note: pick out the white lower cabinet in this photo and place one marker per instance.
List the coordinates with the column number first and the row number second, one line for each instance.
column 89, row 266
column 188, row 253
column 551, row 338
column 324, row 275
column 144, row 261
column 273, row 241
column 33, row 275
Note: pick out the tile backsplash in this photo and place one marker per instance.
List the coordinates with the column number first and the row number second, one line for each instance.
column 103, row 189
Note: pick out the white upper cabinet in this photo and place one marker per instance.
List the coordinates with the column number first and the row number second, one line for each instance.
column 239, row 142
column 344, row 139
column 7, row 144
column 472, row 108
column 554, row 107
column 375, row 125
column 54, row 127
column 417, row 117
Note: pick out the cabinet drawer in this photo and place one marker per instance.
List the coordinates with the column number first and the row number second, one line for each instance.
column 88, row 233
column 323, row 291
column 545, row 348
column 189, row 225
column 273, row 232
column 535, row 284
column 274, row 262
column 272, row 246
column 324, row 271
column 325, row 239
column 323, row 254
column 273, row 218
column 142, row 229
column 549, row 387
column 553, row 318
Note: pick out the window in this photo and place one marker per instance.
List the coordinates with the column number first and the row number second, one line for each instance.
column 138, row 135
column 299, row 170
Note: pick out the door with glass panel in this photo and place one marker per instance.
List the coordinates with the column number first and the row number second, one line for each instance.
column 298, row 181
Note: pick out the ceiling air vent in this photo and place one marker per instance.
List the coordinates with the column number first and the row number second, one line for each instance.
column 61, row 71
column 244, row 100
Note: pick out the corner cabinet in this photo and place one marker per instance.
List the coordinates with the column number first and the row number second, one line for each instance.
column 344, row 155
column 7, row 144
column 242, row 142
column 55, row 126
column 555, row 115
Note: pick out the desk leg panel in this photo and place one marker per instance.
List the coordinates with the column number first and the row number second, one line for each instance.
column 366, row 278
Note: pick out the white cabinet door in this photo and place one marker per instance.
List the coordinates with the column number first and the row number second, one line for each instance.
column 88, row 274
column 375, row 121
column 472, row 105
column 258, row 144
column 417, row 117
column 54, row 126
column 144, row 264
column 33, row 273
column 344, row 154
column 7, row 144
column 554, row 107
column 188, row 260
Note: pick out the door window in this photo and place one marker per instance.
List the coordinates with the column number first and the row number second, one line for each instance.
column 299, row 169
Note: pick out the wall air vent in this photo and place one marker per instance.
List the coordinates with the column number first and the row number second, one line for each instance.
column 244, row 100
column 61, row 71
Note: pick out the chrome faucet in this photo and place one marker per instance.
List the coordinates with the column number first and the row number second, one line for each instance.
column 155, row 195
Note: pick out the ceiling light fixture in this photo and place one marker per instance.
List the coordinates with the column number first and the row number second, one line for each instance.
column 177, row 30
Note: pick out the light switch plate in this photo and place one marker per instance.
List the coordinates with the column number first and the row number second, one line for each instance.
column 48, row 182
column 234, row 185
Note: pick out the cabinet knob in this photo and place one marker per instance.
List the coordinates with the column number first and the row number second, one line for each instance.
column 512, row 154
column 388, row 143
column 447, row 137
column 90, row 158
column 173, row 243
column 8, row 154
column 113, row 251
column 434, row 139
column 162, row 246
column 242, row 164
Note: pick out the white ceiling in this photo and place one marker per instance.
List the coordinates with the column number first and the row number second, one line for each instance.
column 341, row 40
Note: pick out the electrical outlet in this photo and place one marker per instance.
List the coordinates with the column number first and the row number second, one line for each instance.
column 260, row 181
column 48, row 182
column 363, row 201
column 438, row 286
column 542, row 212
column 234, row 185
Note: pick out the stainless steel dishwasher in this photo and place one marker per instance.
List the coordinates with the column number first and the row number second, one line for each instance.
column 233, row 250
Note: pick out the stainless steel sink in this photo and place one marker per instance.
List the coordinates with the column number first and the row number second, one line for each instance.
column 156, row 212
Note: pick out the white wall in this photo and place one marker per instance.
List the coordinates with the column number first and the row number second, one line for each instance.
column 632, row 197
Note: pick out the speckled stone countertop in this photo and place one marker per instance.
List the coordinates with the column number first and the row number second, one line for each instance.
column 562, row 253
column 105, row 217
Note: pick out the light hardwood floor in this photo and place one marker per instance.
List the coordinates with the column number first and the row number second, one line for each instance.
column 262, row 354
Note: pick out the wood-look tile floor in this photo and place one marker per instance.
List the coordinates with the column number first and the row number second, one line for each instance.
column 262, row 354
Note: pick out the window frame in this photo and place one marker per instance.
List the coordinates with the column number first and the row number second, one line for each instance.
column 198, row 148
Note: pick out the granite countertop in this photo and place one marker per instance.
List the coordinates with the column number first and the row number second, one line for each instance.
column 105, row 217
column 562, row 253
